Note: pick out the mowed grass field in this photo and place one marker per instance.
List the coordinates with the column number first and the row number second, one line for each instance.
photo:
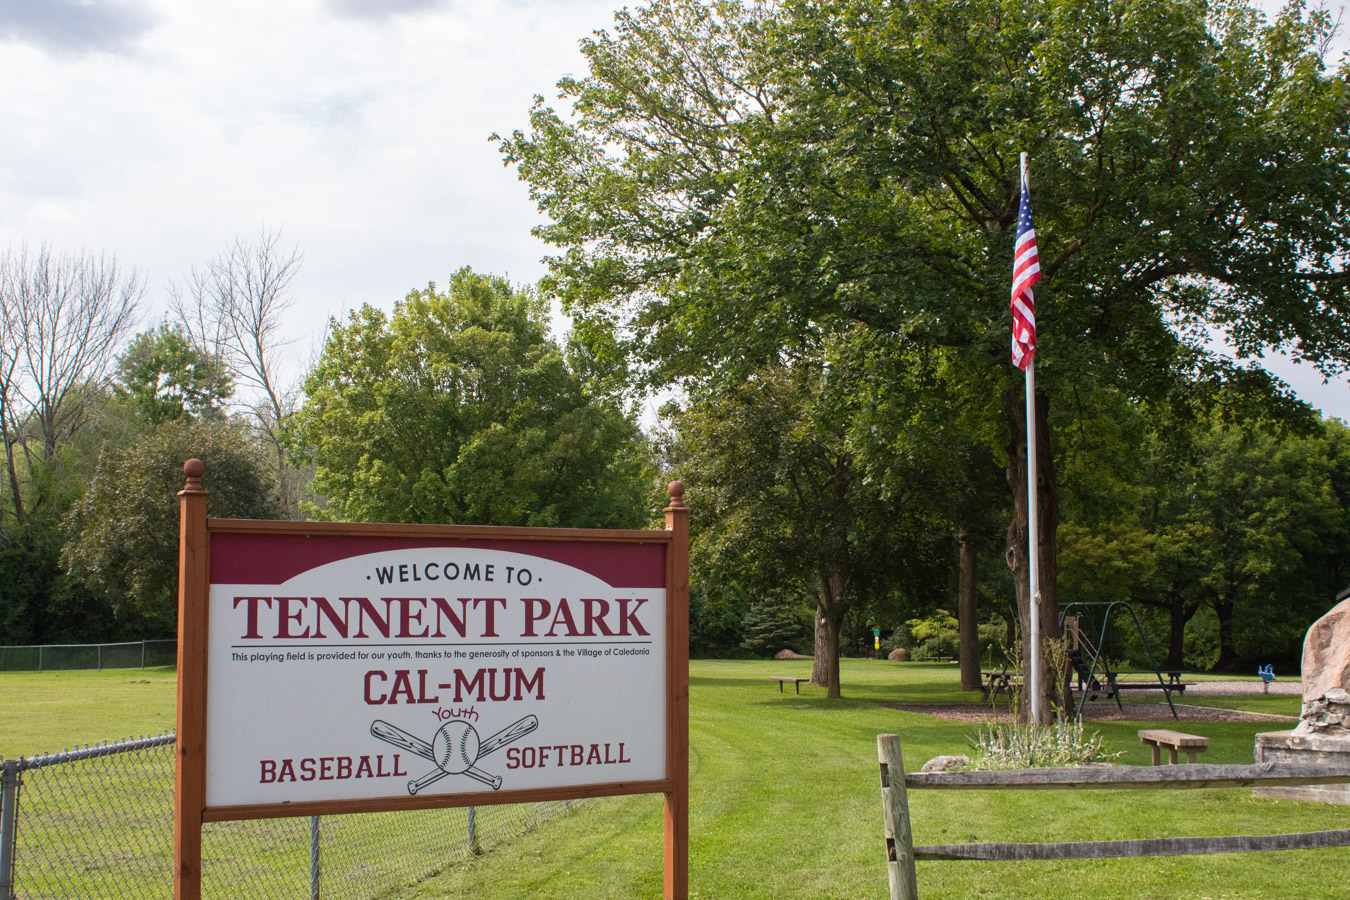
column 786, row 799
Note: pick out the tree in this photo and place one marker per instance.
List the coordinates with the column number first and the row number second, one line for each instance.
column 461, row 409
column 125, row 529
column 1247, row 527
column 786, row 503
column 729, row 183
column 64, row 316
column 232, row 309
column 165, row 376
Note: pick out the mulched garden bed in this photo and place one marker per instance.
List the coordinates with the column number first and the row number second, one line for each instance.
column 1096, row 711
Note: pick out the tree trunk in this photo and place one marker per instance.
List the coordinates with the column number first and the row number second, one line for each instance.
column 1179, row 615
column 820, row 668
column 1223, row 610
column 832, row 656
column 967, row 615
column 1048, row 522
column 9, row 461
column 829, row 615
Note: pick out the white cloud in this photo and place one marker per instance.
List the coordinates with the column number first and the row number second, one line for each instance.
column 364, row 139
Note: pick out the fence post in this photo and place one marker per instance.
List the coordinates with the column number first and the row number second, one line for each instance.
column 9, row 795
column 314, row 868
column 895, row 810
column 474, row 848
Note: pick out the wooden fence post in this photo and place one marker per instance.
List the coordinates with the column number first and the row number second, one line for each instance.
column 895, row 810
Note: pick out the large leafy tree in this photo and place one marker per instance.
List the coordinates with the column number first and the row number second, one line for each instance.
column 164, row 376
column 733, row 178
column 1254, row 528
column 124, row 530
column 461, row 409
column 788, row 505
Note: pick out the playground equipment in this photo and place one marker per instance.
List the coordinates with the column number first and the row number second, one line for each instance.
column 1267, row 673
column 1087, row 658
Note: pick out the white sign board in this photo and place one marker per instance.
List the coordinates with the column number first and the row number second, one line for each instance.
column 369, row 667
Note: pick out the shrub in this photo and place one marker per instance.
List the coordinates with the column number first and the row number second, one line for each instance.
column 1017, row 746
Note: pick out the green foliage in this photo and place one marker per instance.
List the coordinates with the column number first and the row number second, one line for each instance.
column 39, row 603
column 1253, row 528
column 716, row 611
column 461, row 409
column 732, row 179
column 936, row 634
column 1103, row 564
column 124, row 531
column 787, row 508
column 775, row 624
column 164, row 377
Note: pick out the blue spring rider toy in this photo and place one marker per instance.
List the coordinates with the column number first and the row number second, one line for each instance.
column 1267, row 673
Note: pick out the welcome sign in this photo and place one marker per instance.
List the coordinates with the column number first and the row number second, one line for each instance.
column 356, row 667
column 331, row 668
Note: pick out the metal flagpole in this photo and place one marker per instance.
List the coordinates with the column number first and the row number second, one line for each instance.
column 1033, row 551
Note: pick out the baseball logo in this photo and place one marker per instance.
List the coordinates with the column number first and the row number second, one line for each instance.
column 454, row 749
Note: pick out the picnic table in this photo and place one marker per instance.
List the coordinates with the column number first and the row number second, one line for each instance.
column 1171, row 685
column 998, row 681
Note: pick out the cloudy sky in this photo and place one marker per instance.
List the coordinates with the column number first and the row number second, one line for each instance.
column 159, row 130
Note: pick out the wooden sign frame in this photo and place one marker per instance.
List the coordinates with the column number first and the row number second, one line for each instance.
column 190, row 795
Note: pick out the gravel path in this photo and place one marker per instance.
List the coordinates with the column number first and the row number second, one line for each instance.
column 1213, row 688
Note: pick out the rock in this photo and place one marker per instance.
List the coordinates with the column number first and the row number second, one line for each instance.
column 946, row 764
column 789, row 654
column 899, row 654
column 1326, row 653
column 1326, row 674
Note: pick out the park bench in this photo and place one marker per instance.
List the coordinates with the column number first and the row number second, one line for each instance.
column 1174, row 741
column 796, row 682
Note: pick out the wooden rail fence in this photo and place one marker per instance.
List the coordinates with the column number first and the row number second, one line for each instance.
column 901, row 852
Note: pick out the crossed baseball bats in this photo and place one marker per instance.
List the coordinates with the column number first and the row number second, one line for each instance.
column 453, row 735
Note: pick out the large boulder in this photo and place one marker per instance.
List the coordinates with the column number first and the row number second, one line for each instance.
column 1326, row 673
column 899, row 654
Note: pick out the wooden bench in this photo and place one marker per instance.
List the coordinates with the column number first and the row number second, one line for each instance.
column 796, row 682
column 1157, row 738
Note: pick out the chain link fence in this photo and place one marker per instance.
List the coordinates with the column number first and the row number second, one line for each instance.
column 98, row 823
column 124, row 655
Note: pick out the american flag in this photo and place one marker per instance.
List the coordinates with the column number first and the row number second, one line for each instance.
column 1026, row 272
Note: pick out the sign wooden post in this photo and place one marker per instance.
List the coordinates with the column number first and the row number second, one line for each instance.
column 330, row 668
column 190, row 762
column 677, row 727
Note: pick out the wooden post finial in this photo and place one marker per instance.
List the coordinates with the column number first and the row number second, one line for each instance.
column 676, row 491
column 193, row 469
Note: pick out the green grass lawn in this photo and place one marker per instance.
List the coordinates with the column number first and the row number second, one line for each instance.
column 786, row 799
column 50, row 711
column 786, row 804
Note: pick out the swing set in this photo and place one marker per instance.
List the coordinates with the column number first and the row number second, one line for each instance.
column 1088, row 658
